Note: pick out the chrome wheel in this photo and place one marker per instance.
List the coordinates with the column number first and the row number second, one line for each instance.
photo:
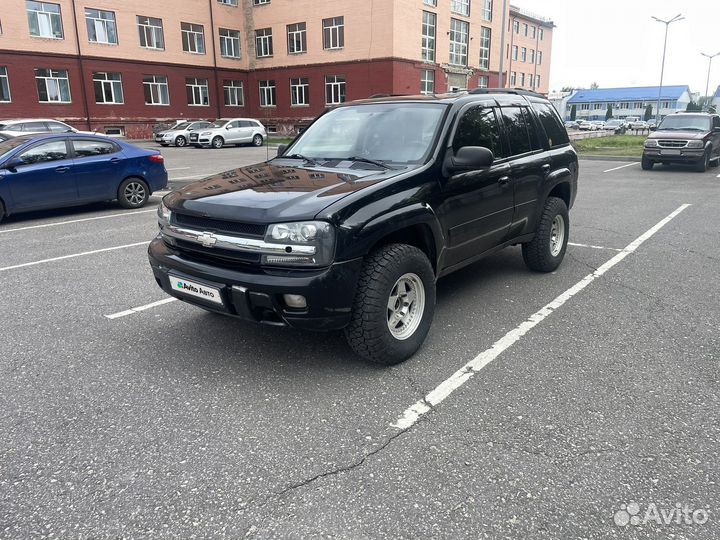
column 405, row 306
column 258, row 140
column 134, row 193
column 217, row 142
column 180, row 141
column 557, row 235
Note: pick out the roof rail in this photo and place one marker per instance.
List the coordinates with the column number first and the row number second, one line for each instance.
column 517, row 91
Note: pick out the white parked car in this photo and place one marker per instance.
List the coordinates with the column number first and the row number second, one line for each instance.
column 598, row 125
column 226, row 131
column 638, row 124
column 584, row 125
column 23, row 126
column 180, row 134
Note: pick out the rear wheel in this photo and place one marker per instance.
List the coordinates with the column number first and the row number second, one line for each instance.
column 180, row 141
column 218, row 142
column 2, row 211
column 257, row 140
column 394, row 305
column 546, row 251
column 133, row 193
column 704, row 163
column 646, row 164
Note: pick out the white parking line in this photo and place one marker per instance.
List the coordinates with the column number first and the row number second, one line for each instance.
column 140, row 308
column 591, row 246
column 194, row 176
column 413, row 413
column 74, row 255
column 178, row 169
column 68, row 222
column 621, row 167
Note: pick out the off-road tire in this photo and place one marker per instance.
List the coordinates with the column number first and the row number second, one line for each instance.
column 2, row 211
column 368, row 333
column 704, row 163
column 537, row 253
column 646, row 164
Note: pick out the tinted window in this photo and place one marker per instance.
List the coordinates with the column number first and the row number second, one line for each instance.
column 517, row 130
column 716, row 121
column 33, row 127
column 550, row 121
column 479, row 127
column 49, row 151
column 57, row 127
column 234, row 125
column 246, row 123
column 93, row 148
column 533, row 131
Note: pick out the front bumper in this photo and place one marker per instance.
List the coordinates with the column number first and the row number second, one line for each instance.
column 682, row 155
column 254, row 294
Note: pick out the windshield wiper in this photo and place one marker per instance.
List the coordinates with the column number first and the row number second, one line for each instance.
column 306, row 159
column 367, row 160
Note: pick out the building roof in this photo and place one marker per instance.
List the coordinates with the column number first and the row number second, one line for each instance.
column 539, row 19
column 640, row 93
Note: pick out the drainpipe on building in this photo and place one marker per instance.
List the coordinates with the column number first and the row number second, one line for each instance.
column 502, row 81
column 82, row 69
column 215, row 68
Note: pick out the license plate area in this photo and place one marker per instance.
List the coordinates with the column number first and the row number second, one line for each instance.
column 666, row 152
column 195, row 289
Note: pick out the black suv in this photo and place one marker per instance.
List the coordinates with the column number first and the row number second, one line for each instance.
column 352, row 224
column 692, row 138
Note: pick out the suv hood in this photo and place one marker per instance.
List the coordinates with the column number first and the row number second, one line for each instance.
column 684, row 135
column 267, row 193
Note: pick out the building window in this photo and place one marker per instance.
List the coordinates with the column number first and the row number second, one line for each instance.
column 233, row 3
column 523, row 54
column 537, row 81
column 193, row 38
column 45, row 19
column 483, row 81
column 533, row 32
column 485, row 35
column 459, row 42
column 516, row 27
column 156, row 90
column 299, row 91
column 427, row 81
column 428, row 36
column 514, row 52
column 525, row 29
column 461, row 7
column 539, row 57
column 260, row 2
column 234, row 94
column 542, row 33
column 487, row 10
column 263, row 42
column 297, row 38
column 197, row 92
column 267, row 93
column 532, row 56
column 513, row 78
column 151, row 32
column 522, row 80
column 53, row 85
column 229, row 43
column 432, row 3
column 108, row 88
column 4, row 85
column 334, row 33
column 334, row 89
column 101, row 26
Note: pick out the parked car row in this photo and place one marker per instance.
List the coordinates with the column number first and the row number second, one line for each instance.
column 221, row 132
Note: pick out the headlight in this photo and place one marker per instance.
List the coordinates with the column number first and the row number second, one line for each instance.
column 695, row 144
column 163, row 214
column 318, row 234
column 205, row 133
column 650, row 143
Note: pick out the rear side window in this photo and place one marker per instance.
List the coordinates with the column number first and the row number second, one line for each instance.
column 555, row 131
column 57, row 127
column 479, row 127
column 716, row 121
column 33, row 127
column 517, row 130
column 88, row 148
column 246, row 123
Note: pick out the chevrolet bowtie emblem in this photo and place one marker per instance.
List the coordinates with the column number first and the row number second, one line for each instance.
column 207, row 239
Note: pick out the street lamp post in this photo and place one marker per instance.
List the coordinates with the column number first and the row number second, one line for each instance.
column 707, row 84
column 667, row 24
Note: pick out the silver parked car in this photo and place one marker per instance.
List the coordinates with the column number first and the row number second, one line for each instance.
column 23, row 126
column 226, row 131
column 180, row 134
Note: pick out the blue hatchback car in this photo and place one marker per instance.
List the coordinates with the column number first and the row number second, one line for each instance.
column 55, row 170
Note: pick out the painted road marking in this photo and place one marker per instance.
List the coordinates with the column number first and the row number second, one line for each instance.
column 74, row 255
column 591, row 246
column 56, row 223
column 140, row 308
column 178, row 169
column 194, row 176
column 468, row 371
column 621, row 167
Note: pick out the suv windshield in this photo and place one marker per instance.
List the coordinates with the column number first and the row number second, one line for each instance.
column 218, row 123
column 387, row 132
column 691, row 123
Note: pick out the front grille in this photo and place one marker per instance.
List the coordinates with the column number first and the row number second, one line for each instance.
column 217, row 225
column 672, row 143
column 194, row 136
column 217, row 256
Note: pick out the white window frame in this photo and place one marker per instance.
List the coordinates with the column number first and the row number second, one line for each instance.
column 333, row 33
column 429, row 36
column 539, row 58
column 193, row 37
column 260, row 2
column 487, row 10
column 335, row 89
column 537, row 81
column 523, row 54
column 297, row 38
column 110, row 84
column 234, row 93
column 158, row 87
column 483, row 81
column 485, row 43
column 515, row 50
column 4, row 85
column 513, row 78
column 151, row 29
column 232, row 3
column 532, row 56
column 197, row 92
column 229, row 43
column 526, row 27
column 300, row 92
column 49, row 22
column 542, row 33
column 101, row 23
column 264, row 43
column 522, row 80
column 459, row 39
column 427, row 81
column 267, row 93
column 461, row 7
column 432, row 3
column 54, row 84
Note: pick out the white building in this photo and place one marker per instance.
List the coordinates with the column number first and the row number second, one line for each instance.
column 593, row 104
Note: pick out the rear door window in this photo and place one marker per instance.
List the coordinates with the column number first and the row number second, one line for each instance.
column 88, row 148
column 550, row 121
column 479, row 127
column 517, row 130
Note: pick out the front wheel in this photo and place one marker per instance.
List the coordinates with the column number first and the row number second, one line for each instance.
column 218, row 142
column 394, row 305
column 704, row 164
column 133, row 193
column 545, row 252
column 257, row 140
column 180, row 141
column 646, row 164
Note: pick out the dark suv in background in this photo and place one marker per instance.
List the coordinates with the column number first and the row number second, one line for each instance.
column 692, row 138
column 353, row 224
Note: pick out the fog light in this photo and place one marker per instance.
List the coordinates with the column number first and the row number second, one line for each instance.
column 296, row 301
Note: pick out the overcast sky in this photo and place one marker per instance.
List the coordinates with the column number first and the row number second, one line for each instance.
column 616, row 43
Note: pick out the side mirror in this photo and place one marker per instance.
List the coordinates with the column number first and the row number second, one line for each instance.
column 653, row 128
column 469, row 158
column 281, row 149
column 13, row 163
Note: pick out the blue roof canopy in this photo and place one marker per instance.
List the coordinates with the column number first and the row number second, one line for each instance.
column 642, row 93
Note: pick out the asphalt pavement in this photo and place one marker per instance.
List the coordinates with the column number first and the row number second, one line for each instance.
column 591, row 394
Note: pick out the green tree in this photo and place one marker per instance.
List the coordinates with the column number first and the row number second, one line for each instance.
column 648, row 112
column 573, row 112
column 609, row 113
column 594, row 86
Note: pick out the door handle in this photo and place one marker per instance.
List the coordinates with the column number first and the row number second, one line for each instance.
column 115, row 160
column 504, row 180
column 62, row 169
column 546, row 167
